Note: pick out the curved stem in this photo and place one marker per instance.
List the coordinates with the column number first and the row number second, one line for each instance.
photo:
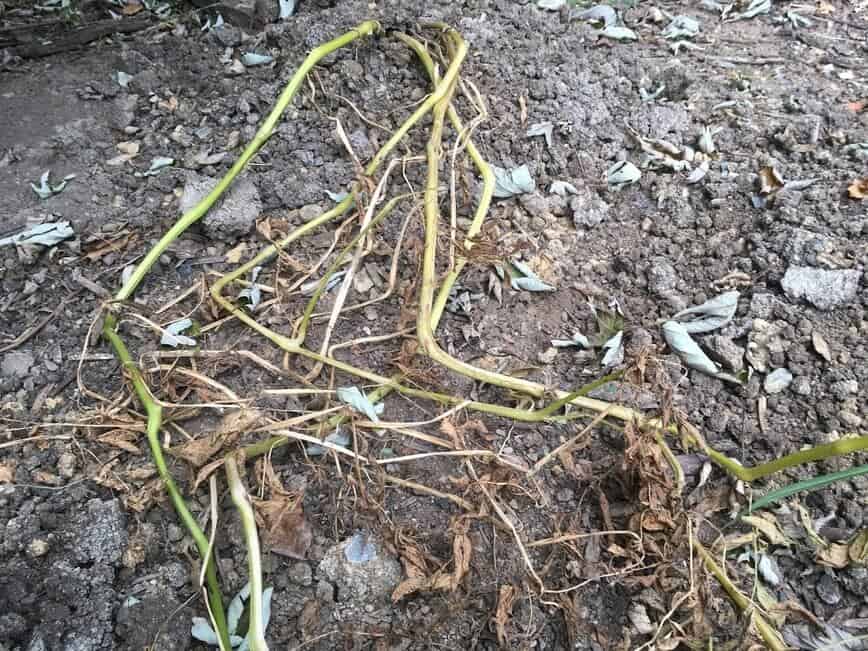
column 155, row 418
column 256, row 630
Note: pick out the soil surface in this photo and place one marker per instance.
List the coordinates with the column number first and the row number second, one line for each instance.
column 92, row 555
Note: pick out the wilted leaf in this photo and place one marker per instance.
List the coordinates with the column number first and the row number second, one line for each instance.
column 253, row 294
column 577, row 339
column 706, row 141
column 505, row 600
column 157, row 164
column 360, row 549
column 639, row 618
column 598, row 14
column 769, row 528
column 236, row 253
column 619, row 33
column 509, row 183
column 199, row 450
column 48, row 234
column 614, row 348
column 562, row 188
column 858, row 189
column 543, row 129
column 202, row 631
column 711, row 315
column 682, row 344
column 335, row 438
column 287, row 8
column 698, row 173
column 45, row 189
column 768, row 570
column 123, row 79
column 858, row 551
column 523, row 277
column 285, row 529
column 681, row 27
column 829, row 638
column 251, row 59
column 172, row 334
column 621, row 174
column 353, row 397
column 207, row 158
column 836, row 555
column 770, row 180
column 755, row 8
column 337, row 197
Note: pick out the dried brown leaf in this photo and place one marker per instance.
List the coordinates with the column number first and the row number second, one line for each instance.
column 505, row 600
column 409, row 586
column 285, row 529
column 142, row 499
column 232, row 426
column 206, row 471
column 121, row 438
column 835, row 555
column 7, row 472
column 768, row 525
column 858, row 189
column 770, row 180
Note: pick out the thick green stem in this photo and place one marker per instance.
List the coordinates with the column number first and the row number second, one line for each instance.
column 256, row 630
column 262, row 135
column 154, row 413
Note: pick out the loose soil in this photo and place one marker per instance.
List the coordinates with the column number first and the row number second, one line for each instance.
column 92, row 555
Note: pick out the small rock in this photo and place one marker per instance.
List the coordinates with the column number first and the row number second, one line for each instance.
column 227, row 35
column 801, row 385
column 300, row 574
column 764, row 341
column 824, row 289
column 566, row 495
column 849, row 418
column 174, row 533
column 843, row 389
column 821, row 346
column 777, row 380
column 726, row 351
column 310, row 211
column 588, row 209
column 361, row 144
column 362, row 282
column 548, row 355
column 16, row 364
column 37, row 547
column 66, row 464
column 100, row 533
column 535, row 204
column 370, row 580
column 662, row 277
column 234, row 215
column 371, row 313
column 828, row 590
column 123, row 111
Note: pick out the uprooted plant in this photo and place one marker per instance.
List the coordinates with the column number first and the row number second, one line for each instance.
column 363, row 210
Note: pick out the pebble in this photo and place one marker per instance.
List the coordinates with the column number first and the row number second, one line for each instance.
column 16, row 364
column 801, row 385
column 822, row 288
column 727, row 352
column 777, row 380
column 37, row 547
column 66, row 464
column 300, row 574
column 234, row 215
column 310, row 211
column 566, row 495
column 828, row 590
column 850, row 418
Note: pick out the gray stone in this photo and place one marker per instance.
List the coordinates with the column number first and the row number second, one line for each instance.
column 310, row 211
column 359, row 583
column 535, row 204
column 300, row 574
column 227, row 35
column 662, row 277
column 101, row 534
column 235, row 213
column 764, row 341
column 16, row 364
column 123, row 111
column 822, row 288
column 726, row 351
column 588, row 209
column 849, row 418
column 801, row 385
column 66, row 464
column 777, row 380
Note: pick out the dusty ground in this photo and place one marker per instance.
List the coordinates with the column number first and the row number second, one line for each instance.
column 92, row 557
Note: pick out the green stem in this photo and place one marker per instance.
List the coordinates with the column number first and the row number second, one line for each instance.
column 154, row 414
column 255, row 631
column 262, row 135
column 769, row 635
